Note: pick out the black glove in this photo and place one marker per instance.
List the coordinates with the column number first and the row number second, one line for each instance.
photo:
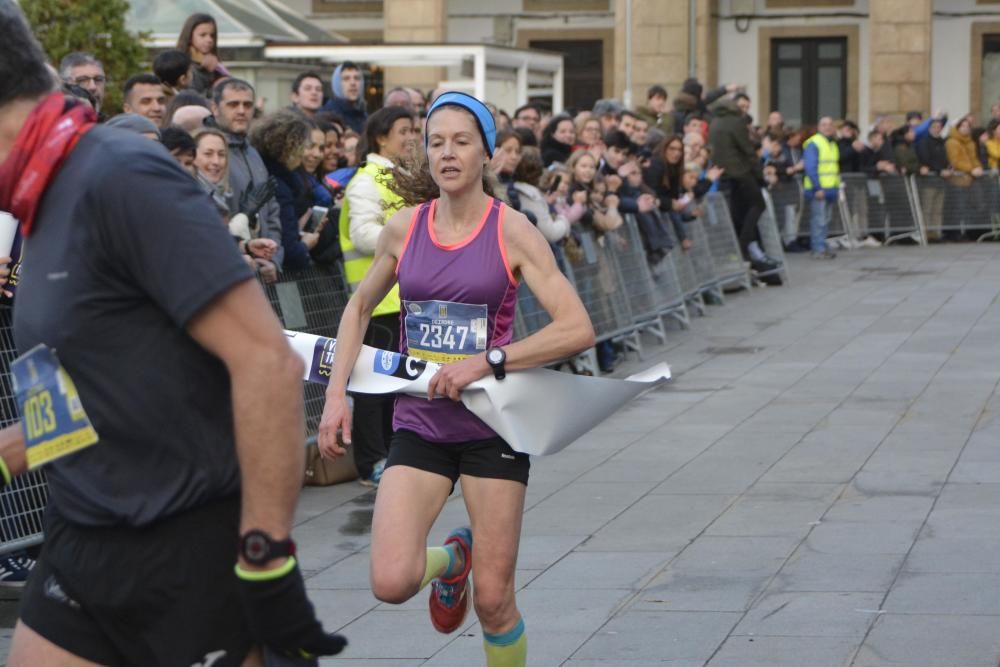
column 255, row 196
column 282, row 618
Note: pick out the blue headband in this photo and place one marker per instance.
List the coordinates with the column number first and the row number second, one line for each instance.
column 484, row 119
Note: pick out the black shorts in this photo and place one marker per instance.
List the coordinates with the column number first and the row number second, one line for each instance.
column 164, row 594
column 492, row 458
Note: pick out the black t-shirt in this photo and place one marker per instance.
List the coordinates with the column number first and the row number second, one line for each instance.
column 126, row 249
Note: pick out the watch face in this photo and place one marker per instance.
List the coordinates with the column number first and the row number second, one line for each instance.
column 495, row 356
column 255, row 547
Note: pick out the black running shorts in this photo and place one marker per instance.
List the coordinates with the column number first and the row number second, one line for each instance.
column 492, row 458
column 162, row 595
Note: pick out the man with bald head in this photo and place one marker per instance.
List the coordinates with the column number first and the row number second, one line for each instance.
column 190, row 118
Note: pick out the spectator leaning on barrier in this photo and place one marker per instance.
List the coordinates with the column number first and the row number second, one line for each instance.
column 558, row 138
column 199, row 39
column 144, row 95
column 962, row 155
column 903, row 152
column 993, row 143
column 369, row 202
column 86, row 71
column 233, row 106
column 307, row 94
column 534, row 204
column 850, row 147
column 656, row 111
column 348, row 99
column 211, row 165
column 821, row 183
column 281, row 140
column 934, row 158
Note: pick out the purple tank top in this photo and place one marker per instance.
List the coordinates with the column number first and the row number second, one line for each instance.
column 457, row 301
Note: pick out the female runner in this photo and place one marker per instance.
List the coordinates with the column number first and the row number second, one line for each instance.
column 458, row 258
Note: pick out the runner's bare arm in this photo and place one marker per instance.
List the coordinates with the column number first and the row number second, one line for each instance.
column 12, row 449
column 570, row 331
column 378, row 281
column 240, row 329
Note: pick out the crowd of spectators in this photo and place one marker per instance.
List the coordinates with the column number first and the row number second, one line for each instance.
column 279, row 180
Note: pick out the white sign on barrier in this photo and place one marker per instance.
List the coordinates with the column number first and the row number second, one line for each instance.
column 535, row 411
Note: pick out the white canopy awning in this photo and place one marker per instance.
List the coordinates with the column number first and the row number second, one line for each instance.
column 536, row 73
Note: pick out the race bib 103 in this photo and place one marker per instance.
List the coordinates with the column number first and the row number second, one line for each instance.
column 444, row 331
column 52, row 416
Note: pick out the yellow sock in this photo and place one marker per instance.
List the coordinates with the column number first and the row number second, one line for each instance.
column 439, row 561
column 507, row 650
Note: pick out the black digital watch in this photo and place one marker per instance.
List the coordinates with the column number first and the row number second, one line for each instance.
column 496, row 358
column 257, row 547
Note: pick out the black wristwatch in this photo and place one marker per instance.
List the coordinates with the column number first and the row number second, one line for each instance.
column 257, row 547
column 496, row 358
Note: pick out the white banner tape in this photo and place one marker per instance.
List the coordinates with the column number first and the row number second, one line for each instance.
column 537, row 411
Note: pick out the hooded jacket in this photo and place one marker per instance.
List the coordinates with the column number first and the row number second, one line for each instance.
column 962, row 155
column 729, row 138
column 353, row 113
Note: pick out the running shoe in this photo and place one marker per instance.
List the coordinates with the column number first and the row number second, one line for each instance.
column 449, row 600
column 14, row 571
column 376, row 476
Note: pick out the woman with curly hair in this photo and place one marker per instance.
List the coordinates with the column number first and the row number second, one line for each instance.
column 199, row 39
column 281, row 140
column 458, row 255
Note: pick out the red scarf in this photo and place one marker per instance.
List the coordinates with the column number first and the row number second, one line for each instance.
column 48, row 137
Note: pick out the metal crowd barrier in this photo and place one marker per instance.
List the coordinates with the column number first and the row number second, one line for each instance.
column 312, row 301
column 683, row 272
column 959, row 205
column 22, row 503
column 788, row 204
column 770, row 236
column 723, row 244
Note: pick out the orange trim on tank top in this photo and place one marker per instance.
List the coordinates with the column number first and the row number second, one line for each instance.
column 503, row 246
column 464, row 242
column 406, row 241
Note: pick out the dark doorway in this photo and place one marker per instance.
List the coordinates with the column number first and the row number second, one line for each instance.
column 583, row 82
column 809, row 79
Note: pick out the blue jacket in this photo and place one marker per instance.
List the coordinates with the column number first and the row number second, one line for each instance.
column 293, row 200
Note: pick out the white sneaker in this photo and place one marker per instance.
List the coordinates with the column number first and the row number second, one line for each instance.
column 871, row 242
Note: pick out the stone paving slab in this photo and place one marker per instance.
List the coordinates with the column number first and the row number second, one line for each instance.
column 819, row 486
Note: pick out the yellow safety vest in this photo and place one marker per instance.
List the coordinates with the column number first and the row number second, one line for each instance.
column 829, row 162
column 356, row 264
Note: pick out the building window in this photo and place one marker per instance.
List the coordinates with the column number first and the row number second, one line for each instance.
column 809, row 79
column 584, row 64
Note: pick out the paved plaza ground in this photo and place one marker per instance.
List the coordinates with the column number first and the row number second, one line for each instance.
column 819, row 487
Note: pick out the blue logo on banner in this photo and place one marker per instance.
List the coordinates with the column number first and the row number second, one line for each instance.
column 386, row 362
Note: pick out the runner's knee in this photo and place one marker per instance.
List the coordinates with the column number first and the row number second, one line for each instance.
column 495, row 604
column 394, row 583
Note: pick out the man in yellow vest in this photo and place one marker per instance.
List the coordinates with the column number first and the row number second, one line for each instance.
column 368, row 204
column 822, row 184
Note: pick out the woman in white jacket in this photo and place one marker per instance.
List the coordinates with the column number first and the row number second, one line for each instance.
column 553, row 226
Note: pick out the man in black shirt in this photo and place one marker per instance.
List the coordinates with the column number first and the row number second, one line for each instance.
column 186, row 376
